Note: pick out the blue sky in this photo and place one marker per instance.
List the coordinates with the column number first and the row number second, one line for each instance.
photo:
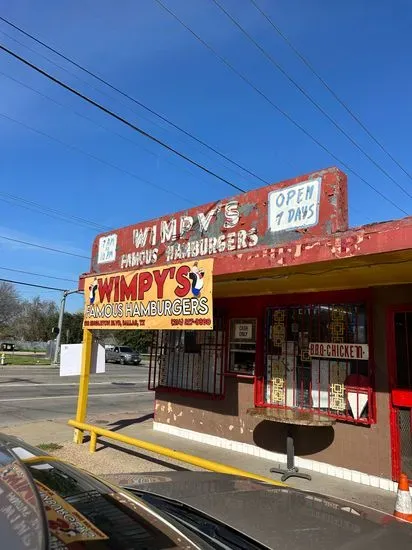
column 360, row 48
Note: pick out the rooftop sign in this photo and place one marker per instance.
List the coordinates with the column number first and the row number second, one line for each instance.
column 314, row 204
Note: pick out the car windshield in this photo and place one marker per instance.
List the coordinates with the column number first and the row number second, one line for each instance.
column 125, row 349
column 85, row 513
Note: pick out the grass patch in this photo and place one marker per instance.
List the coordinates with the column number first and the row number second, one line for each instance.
column 25, row 360
column 49, row 447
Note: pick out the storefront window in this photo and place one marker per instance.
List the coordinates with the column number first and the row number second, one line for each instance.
column 189, row 360
column 317, row 359
column 242, row 346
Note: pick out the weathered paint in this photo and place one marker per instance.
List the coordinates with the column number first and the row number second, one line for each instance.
column 329, row 241
column 373, row 239
column 251, row 225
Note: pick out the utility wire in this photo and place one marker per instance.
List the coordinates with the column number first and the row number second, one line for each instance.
column 58, row 250
column 121, row 136
column 39, row 209
column 328, row 87
column 37, row 274
column 33, row 285
column 111, row 97
column 309, row 97
column 119, row 118
column 102, row 161
column 279, row 109
column 134, row 100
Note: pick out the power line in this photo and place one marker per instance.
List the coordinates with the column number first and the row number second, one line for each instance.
column 309, row 98
column 15, row 201
column 134, row 100
column 328, row 87
column 38, row 274
column 32, row 285
column 119, row 118
column 279, row 109
column 124, row 138
column 58, row 250
column 102, row 161
column 100, row 91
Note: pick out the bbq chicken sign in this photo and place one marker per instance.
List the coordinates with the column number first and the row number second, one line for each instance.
column 178, row 296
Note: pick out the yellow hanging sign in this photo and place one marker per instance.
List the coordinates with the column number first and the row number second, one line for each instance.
column 177, row 296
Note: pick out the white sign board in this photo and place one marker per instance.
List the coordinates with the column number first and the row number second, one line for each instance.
column 107, row 249
column 339, row 351
column 294, row 207
column 243, row 331
column 71, row 359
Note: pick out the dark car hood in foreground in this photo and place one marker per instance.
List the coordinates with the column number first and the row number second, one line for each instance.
column 280, row 517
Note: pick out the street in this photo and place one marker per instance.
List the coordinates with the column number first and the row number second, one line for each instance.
column 28, row 394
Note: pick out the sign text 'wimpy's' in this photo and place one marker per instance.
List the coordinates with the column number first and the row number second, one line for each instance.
column 175, row 296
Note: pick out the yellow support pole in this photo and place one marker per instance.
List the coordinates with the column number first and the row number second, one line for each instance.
column 93, row 442
column 84, row 383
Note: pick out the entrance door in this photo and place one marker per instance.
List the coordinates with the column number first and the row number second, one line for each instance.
column 400, row 369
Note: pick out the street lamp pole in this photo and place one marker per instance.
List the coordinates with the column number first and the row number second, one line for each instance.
column 60, row 323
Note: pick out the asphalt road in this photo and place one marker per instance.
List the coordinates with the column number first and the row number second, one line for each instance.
column 39, row 393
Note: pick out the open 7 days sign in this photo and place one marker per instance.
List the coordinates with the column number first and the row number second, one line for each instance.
column 172, row 297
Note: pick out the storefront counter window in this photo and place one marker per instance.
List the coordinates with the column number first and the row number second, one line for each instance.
column 242, row 346
column 317, row 358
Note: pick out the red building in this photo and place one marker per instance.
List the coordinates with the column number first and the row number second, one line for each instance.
column 312, row 328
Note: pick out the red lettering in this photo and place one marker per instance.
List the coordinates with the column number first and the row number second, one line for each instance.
column 128, row 291
column 359, row 353
column 311, row 349
column 182, row 281
column 328, row 350
column 145, row 283
column 322, row 350
column 116, row 289
column 352, row 352
column 105, row 289
column 160, row 278
column 333, row 354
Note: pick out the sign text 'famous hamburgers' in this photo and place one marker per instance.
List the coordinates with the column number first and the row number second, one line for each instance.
column 173, row 297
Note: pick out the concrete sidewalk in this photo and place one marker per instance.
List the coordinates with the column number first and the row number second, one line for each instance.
column 113, row 457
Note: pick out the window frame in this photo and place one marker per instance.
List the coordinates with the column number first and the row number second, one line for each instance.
column 244, row 318
column 349, row 297
column 155, row 383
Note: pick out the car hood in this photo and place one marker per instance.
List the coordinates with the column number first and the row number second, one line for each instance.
column 279, row 517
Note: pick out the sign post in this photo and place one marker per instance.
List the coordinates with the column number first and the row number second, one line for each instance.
column 84, row 382
column 175, row 297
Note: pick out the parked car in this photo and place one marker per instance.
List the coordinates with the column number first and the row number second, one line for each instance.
column 47, row 504
column 123, row 355
column 5, row 346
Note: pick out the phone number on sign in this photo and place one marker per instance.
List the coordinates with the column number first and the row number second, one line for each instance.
column 190, row 322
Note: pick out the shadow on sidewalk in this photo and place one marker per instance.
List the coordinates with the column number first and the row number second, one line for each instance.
column 121, row 424
column 142, row 456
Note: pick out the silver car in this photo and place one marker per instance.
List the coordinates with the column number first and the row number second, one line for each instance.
column 123, row 355
column 46, row 504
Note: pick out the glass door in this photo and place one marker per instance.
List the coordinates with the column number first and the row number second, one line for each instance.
column 400, row 365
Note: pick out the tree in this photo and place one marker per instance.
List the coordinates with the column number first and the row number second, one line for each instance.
column 139, row 340
column 36, row 320
column 10, row 307
column 72, row 328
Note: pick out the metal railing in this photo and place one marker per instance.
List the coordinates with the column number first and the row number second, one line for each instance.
column 165, row 451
